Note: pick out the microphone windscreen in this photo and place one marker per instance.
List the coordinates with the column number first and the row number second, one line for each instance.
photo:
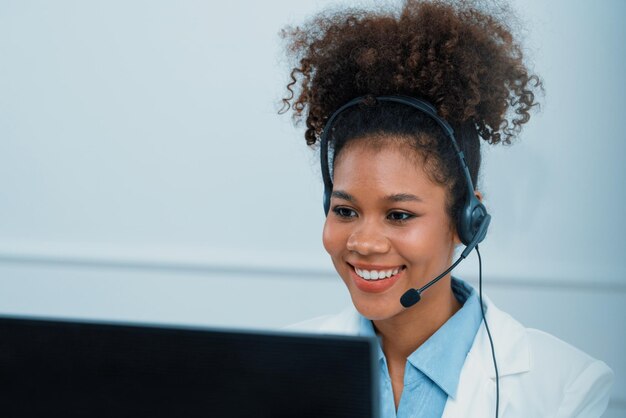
column 410, row 298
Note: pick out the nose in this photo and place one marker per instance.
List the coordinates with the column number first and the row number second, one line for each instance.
column 368, row 241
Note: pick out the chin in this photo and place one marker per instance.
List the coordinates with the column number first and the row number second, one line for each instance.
column 377, row 308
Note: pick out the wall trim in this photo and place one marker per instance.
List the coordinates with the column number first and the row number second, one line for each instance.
column 205, row 261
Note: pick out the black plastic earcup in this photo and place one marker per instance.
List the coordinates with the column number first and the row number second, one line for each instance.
column 470, row 218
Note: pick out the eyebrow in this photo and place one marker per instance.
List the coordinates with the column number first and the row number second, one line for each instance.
column 397, row 197
column 404, row 197
column 340, row 194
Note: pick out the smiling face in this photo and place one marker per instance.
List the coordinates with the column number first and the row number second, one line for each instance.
column 388, row 229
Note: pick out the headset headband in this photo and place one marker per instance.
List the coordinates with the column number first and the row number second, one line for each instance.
column 418, row 104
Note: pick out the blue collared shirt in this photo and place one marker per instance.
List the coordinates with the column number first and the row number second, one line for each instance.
column 432, row 371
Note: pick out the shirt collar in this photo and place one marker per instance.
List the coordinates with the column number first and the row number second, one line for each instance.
column 442, row 356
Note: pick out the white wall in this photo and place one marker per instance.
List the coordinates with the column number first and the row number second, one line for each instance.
column 145, row 174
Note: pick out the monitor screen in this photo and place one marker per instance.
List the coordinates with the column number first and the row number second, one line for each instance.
column 74, row 368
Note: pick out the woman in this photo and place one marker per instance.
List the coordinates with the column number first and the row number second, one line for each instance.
column 399, row 103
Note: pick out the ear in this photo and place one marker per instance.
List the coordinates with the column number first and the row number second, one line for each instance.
column 457, row 240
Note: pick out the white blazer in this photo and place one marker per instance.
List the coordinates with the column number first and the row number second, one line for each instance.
column 540, row 375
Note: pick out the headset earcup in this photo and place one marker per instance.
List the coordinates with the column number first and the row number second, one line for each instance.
column 470, row 218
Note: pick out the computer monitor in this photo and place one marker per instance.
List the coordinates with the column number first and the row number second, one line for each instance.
column 80, row 368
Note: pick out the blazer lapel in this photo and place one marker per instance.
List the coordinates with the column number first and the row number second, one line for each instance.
column 476, row 394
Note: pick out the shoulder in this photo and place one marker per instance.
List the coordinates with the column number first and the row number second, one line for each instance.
column 344, row 322
column 583, row 382
column 542, row 370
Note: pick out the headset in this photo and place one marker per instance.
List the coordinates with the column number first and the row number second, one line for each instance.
column 471, row 224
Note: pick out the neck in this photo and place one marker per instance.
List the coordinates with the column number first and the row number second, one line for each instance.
column 403, row 334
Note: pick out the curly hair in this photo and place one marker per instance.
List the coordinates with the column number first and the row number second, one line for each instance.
column 461, row 59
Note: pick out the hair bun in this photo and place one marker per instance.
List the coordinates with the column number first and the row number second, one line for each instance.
column 462, row 60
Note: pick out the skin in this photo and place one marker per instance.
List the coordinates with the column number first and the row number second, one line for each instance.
column 387, row 212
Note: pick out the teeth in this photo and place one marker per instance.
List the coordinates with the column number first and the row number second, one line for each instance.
column 375, row 274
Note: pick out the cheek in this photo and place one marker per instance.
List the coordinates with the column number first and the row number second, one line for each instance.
column 425, row 239
column 332, row 237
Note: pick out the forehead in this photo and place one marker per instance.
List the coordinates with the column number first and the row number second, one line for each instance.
column 392, row 167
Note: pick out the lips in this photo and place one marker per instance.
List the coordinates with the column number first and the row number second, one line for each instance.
column 375, row 279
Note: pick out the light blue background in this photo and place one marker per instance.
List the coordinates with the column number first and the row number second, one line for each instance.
column 145, row 174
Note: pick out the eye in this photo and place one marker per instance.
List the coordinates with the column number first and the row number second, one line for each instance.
column 399, row 217
column 343, row 212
